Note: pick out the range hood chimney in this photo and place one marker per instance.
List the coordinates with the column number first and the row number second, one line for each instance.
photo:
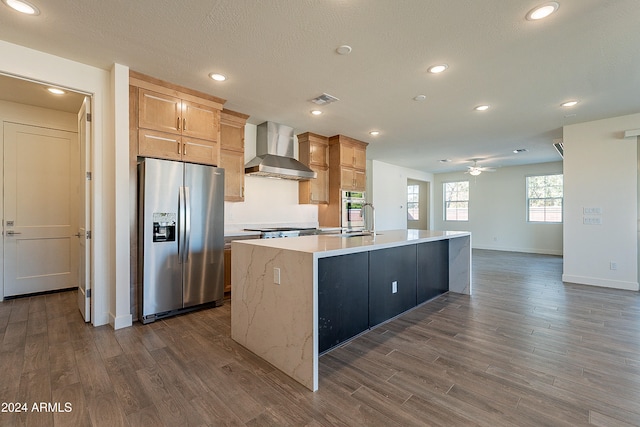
column 274, row 154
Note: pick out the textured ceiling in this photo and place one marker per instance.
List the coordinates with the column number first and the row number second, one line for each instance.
column 279, row 54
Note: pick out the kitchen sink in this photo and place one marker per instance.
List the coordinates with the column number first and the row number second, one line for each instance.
column 362, row 234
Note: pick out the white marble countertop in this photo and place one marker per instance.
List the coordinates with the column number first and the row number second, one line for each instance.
column 335, row 244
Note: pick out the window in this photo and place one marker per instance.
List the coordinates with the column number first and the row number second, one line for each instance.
column 544, row 198
column 413, row 202
column 456, row 201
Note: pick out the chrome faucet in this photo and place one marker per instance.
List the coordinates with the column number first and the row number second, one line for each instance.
column 373, row 219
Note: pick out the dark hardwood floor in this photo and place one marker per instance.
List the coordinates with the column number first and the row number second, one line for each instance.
column 523, row 350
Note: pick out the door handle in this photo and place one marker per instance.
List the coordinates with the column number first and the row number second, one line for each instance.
column 78, row 234
column 12, row 233
column 187, row 225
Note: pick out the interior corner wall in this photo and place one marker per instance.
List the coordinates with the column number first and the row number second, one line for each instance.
column 498, row 212
column 39, row 66
column 387, row 190
column 601, row 172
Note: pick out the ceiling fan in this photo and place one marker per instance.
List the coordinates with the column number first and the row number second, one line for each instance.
column 476, row 170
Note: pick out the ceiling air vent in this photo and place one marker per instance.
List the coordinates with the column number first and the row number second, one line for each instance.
column 559, row 146
column 324, row 99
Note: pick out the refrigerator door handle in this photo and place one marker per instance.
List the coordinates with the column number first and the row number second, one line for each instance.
column 181, row 225
column 187, row 222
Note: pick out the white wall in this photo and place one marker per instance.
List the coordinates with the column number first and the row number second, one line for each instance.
column 20, row 61
column 601, row 172
column 387, row 190
column 497, row 210
column 267, row 201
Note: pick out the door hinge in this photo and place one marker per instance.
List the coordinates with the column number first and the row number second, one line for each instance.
column 88, row 117
column 88, row 234
column 88, row 293
column 88, row 176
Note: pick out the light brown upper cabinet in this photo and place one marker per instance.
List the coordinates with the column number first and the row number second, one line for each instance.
column 314, row 153
column 232, row 153
column 350, row 159
column 176, row 123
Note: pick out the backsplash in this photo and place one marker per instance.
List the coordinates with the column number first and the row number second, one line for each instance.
column 269, row 203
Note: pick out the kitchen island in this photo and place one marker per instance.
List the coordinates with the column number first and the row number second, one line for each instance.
column 294, row 298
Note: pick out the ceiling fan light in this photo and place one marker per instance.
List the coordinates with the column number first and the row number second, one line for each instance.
column 475, row 172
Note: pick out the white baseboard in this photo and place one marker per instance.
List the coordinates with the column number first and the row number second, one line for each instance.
column 523, row 250
column 120, row 321
column 604, row 283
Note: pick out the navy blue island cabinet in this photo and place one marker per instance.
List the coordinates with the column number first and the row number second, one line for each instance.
column 343, row 298
column 358, row 291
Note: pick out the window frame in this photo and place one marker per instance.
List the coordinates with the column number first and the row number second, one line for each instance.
column 411, row 203
column 444, row 200
column 527, row 199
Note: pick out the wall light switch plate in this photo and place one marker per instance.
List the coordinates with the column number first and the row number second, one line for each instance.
column 394, row 287
column 276, row 275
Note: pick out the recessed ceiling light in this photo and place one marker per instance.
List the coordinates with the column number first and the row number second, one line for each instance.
column 374, row 133
column 419, row 97
column 520, row 150
column 316, row 112
column 543, row 10
column 56, row 91
column 344, row 49
column 218, row 77
column 22, row 7
column 481, row 108
column 569, row 104
column 436, row 69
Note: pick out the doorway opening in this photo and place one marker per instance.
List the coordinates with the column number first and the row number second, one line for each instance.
column 45, row 141
column 418, row 204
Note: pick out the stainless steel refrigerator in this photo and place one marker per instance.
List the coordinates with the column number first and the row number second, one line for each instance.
column 181, row 237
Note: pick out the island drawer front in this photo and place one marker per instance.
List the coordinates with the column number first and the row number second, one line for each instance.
column 343, row 293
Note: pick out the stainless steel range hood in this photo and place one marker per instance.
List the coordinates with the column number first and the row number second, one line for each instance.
column 274, row 154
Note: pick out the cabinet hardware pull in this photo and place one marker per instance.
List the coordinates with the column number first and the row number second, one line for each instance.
column 184, row 124
column 184, row 149
column 178, row 147
column 178, row 125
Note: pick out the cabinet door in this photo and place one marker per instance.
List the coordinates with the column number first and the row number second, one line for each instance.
column 359, row 158
column 318, row 154
column 199, row 151
column 159, row 145
column 359, row 180
column 233, row 164
column 319, row 187
column 347, row 156
column 347, row 178
column 231, row 137
column 387, row 266
column 342, row 298
column 158, row 111
column 200, row 121
column 433, row 269
column 227, row 270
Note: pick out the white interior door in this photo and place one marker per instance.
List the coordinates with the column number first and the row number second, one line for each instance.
column 40, row 214
column 84, row 206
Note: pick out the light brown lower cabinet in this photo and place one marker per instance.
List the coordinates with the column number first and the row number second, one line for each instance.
column 227, row 270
